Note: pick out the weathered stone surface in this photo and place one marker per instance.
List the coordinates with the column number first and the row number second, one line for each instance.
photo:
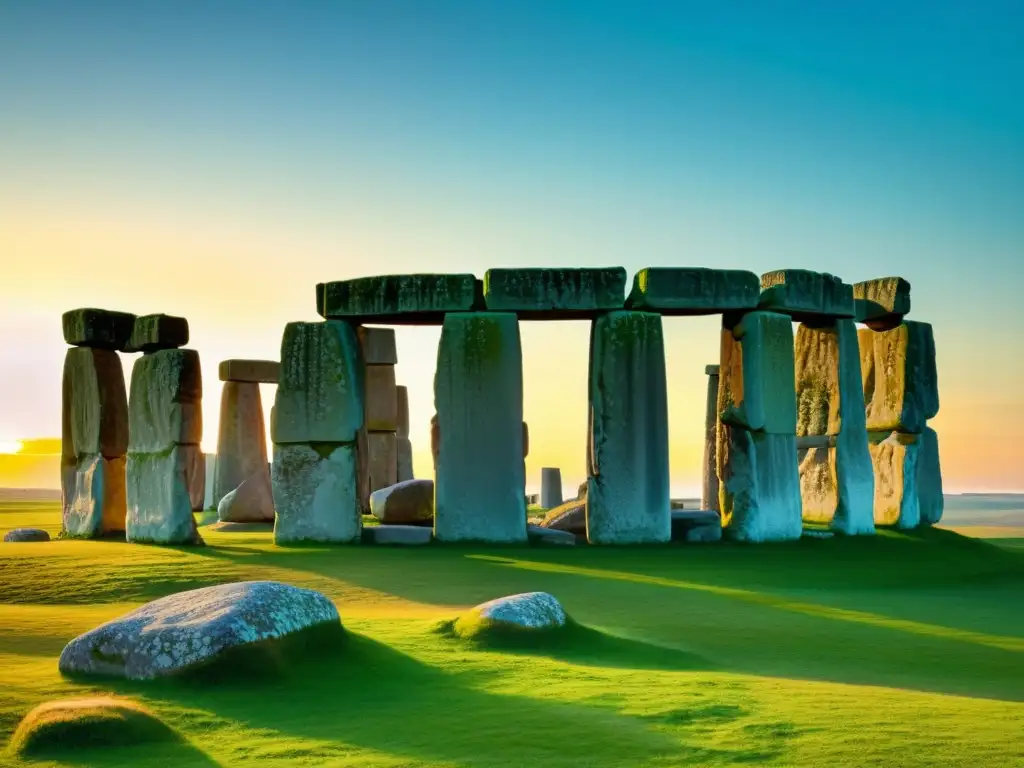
column 529, row 611
column 806, row 296
column 402, row 410
column 252, row 501
column 151, row 333
column 403, row 449
column 709, row 487
column 195, row 476
column 685, row 519
column 94, row 404
column 550, row 487
column 693, row 290
column 98, row 328
column 478, row 394
column 168, row 636
column 250, row 371
column 757, row 387
column 570, row 516
column 378, row 345
column 26, row 535
column 895, row 461
column 400, row 535
column 210, row 463
column 316, row 494
column 165, row 405
column 544, row 293
column 399, row 299
column 538, row 534
column 882, row 299
column 759, row 489
column 627, row 454
column 900, row 380
column 241, row 437
column 929, row 478
column 320, row 392
column 381, row 399
column 93, row 496
column 159, row 495
column 411, row 501
column 381, row 460
column 837, row 486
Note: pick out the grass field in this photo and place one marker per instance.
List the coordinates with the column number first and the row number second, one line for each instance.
column 897, row 650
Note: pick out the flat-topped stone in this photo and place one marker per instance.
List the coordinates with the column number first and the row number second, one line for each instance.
column 712, row 370
column 100, row 328
column 419, row 299
column 155, row 332
column 94, row 404
column 250, row 371
column 882, row 300
column 381, row 398
column 165, row 404
column 553, row 293
column 693, row 290
column 378, row 345
column 804, row 295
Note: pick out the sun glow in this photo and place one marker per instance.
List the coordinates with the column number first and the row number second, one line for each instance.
column 10, row 446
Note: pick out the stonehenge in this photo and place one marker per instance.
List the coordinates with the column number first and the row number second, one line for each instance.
column 550, row 487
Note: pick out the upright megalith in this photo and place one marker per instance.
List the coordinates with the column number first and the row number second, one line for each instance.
column 379, row 463
column 316, row 425
column 836, row 477
column 478, row 433
column 627, row 452
column 550, row 487
column 709, row 489
column 242, row 442
column 403, row 445
column 94, row 423
column 759, row 486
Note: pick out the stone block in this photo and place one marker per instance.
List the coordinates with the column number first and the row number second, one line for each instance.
column 404, row 503
column 195, row 477
column 98, row 328
column 693, row 290
column 709, row 486
column 403, row 449
column 899, row 375
column 397, row 535
column 837, row 485
column 627, row 454
column 159, row 486
column 478, row 433
column 757, row 386
column 402, row 410
column 316, row 494
column 829, row 385
column 550, row 487
column 94, row 404
column 151, row 333
column 241, row 437
column 382, row 460
column 165, row 405
column 931, row 502
column 554, row 294
column 320, row 393
column 759, row 485
column 378, row 345
column 806, row 296
column 421, row 299
column 92, row 496
column 251, row 502
column 381, row 398
column 895, row 459
column 250, row 371
column 884, row 300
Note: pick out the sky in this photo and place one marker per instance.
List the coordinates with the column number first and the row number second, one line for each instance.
column 216, row 161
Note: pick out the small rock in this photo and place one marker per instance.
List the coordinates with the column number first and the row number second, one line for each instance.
column 404, row 535
column 26, row 534
column 152, row 333
column 530, row 611
column 550, row 536
column 571, row 516
column 411, row 501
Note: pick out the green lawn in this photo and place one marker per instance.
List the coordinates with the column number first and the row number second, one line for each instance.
column 901, row 650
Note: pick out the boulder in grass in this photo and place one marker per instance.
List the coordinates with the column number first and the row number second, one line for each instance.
column 97, row 328
column 181, row 632
column 529, row 612
column 408, row 502
column 26, row 534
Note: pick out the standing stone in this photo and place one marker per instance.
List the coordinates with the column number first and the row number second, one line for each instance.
column 316, row 494
column 94, row 440
column 403, row 450
column 900, row 379
column 550, row 487
column 895, row 459
column 402, row 411
column 628, row 473
column 210, row 463
column 709, row 491
column 929, row 478
column 241, row 437
column 152, row 333
column 382, row 460
column 757, row 389
column 381, row 399
column 478, row 434
column 160, row 495
column 805, row 295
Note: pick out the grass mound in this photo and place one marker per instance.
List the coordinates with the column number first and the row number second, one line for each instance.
column 488, row 633
column 72, row 724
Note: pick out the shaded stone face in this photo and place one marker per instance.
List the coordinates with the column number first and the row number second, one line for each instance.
column 251, row 502
column 97, row 328
column 806, row 296
column 316, row 494
column 895, row 461
column 397, row 535
column 94, row 404
column 403, row 446
column 381, row 460
column 165, row 405
column 402, row 408
column 250, row 371
column 694, row 290
column 550, row 487
column 545, row 293
column 160, row 496
column 885, row 299
column 155, row 332
column 408, row 502
column 93, row 499
column 899, row 377
column 378, row 345
column 399, row 299
column 241, row 439
column 929, row 478
column 381, row 398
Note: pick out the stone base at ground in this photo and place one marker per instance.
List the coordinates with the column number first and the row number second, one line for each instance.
column 757, row 386
column 837, row 486
column 241, row 437
column 26, row 535
column 895, row 461
column 901, row 388
column 760, row 486
column 93, row 496
column 159, row 500
column 315, row 494
column 404, row 470
column 397, row 535
column 696, row 525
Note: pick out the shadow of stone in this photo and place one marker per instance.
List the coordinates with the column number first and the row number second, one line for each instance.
column 179, row 754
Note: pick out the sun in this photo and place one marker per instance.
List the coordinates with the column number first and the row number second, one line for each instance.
column 10, row 446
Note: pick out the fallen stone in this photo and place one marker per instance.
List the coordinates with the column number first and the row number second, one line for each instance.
column 530, row 611
column 176, row 633
column 547, row 294
column 757, row 388
column 159, row 491
column 241, row 437
column 26, row 534
column 250, row 371
column 693, row 291
column 399, row 299
column 542, row 536
column 806, row 296
column 627, row 453
column 895, row 461
column 93, row 496
column 571, row 517
column 252, row 501
column 316, row 494
column 378, row 345
column 195, row 477
column 403, row 447
column 94, row 404
column 97, row 328
column 931, row 502
column 478, row 392
column 381, row 399
column 151, row 333
column 703, row 534
column 882, row 300
column 402, row 409
column 411, row 501
column 900, row 380
column 165, row 405
column 320, row 393
column 401, row 535
column 550, row 487
column 210, row 463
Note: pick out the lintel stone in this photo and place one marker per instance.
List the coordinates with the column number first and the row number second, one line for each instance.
column 545, row 293
column 99, row 328
column 806, row 296
column 419, row 299
column 882, row 299
column 151, row 333
column 378, row 344
column 250, row 371
column 693, row 290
